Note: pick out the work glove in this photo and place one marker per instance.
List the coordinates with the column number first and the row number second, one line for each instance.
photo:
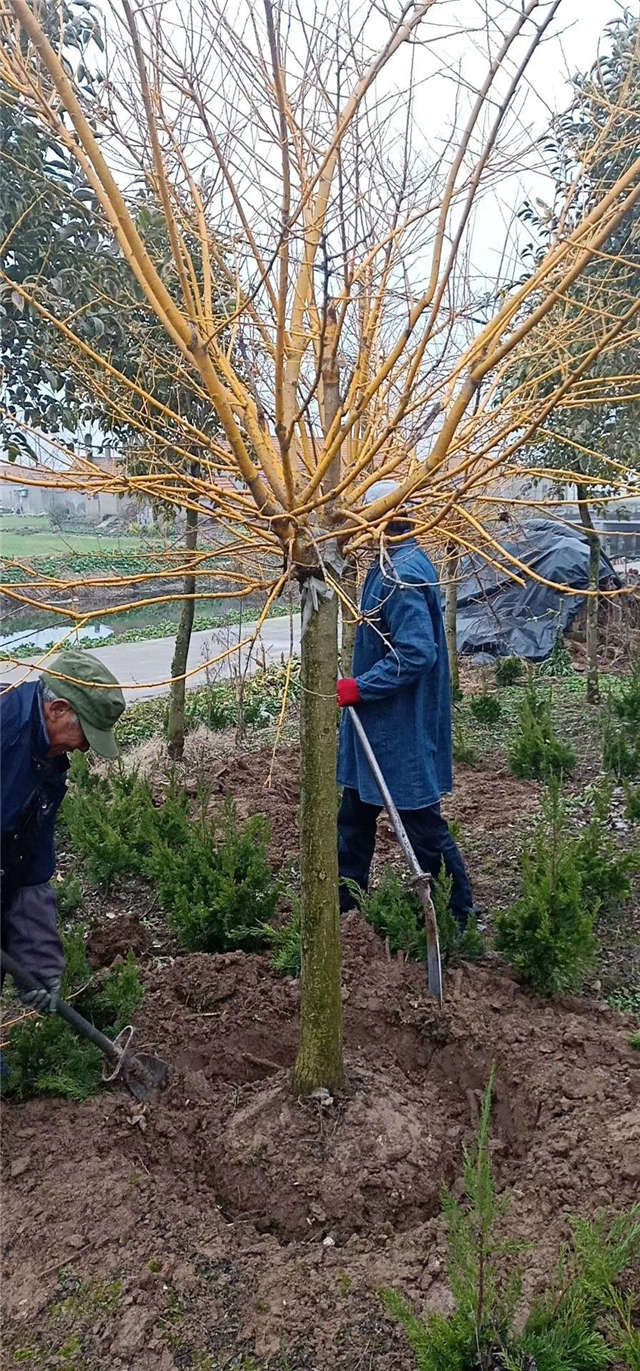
column 45, row 1001
column 347, row 692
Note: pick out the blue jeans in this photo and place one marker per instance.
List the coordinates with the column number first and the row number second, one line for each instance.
column 430, row 839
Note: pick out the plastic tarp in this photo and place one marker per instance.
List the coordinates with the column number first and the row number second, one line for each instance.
column 499, row 618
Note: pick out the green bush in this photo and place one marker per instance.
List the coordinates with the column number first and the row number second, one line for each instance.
column 621, row 728
column 215, row 887
column 547, row 935
column 45, row 1056
column 111, row 824
column 583, row 1322
column 285, row 942
column 535, row 752
column 509, row 670
column 215, row 706
column 558, row 663
column 604, row 869
column 463, row 749
column 69, row 896
column 394, row 910
column 485, row 708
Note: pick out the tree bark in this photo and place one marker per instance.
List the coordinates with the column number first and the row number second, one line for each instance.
column 451, row 567
column 176, row 725
column 593, row 679
column 319, row 1061
column 350, row 588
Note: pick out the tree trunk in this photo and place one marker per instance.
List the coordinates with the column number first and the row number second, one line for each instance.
column 451, row 567
column 593, row 680
column 319, row 1061
column 176, row 726
column 350, row 588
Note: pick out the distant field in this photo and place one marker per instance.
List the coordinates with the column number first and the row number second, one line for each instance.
column 26, row 540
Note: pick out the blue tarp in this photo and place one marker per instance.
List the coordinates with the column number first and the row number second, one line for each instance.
column 499, row 618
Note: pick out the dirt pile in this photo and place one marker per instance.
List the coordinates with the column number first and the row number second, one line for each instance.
column 229, row 1219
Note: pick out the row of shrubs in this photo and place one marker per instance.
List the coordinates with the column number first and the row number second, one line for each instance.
column 535, row 752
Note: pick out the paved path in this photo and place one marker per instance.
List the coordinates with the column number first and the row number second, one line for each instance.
column 144, row 668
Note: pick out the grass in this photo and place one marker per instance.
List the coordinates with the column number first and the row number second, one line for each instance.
column 29, row 546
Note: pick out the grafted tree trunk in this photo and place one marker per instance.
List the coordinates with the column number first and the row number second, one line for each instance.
column 593, row 679
column 319, row 1061
column 176, row 725
column 451, row 567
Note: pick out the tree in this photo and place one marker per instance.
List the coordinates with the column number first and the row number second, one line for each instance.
column 291, row 138
column 595, row 428
column 55, row 241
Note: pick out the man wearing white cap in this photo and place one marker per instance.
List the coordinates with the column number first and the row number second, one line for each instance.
column 402, row 692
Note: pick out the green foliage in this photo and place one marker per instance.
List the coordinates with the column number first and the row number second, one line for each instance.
column 463, row 749
column 284, row 942
column 558, row 663
column 486, row 708
column 215, row 887
column 634, row 1040
column 583, row 1322
column 212, row 876
column 509, row 670
column 215, row 706
column 604, row 870
column 485, row 1301
column 632, row 806
column 45, row 1056
column 535, row 752
column 547, row 935
column 621, row 728
column 627, row 1000
column 393, row 909
column 69, row 896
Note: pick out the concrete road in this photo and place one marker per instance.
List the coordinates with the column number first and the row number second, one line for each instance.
column 144, row 668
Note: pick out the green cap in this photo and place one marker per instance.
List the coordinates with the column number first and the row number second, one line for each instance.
column 92, row 691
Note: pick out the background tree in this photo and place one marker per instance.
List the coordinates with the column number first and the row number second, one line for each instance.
column 291, row 138
column 594, row 431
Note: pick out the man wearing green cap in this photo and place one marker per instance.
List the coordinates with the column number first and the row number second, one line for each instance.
column 73, row 706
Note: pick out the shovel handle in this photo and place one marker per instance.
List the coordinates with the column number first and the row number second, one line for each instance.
column 421, row 880
column 71, row 1016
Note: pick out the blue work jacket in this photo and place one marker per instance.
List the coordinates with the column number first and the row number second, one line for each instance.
column 32, row 790
column 401, row 666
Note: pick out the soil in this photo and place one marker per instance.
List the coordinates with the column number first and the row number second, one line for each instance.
column 227, row 1221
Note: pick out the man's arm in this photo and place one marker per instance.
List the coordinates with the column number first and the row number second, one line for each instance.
column 30, row 935
column 413, row 648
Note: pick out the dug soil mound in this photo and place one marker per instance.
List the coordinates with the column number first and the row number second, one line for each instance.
column 227, row 1220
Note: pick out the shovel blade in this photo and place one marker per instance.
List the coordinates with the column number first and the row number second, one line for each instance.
column 144, row 1074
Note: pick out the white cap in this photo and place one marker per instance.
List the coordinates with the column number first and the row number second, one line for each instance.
column 378, row 491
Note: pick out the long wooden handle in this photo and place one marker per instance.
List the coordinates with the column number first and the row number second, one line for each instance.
column 81, row 1026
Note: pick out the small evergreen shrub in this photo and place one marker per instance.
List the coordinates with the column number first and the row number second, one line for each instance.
column 486, row 708
column 604, row 869
column 535, row 753
column 585, row 1321
column 284, row 942
column 509, row 670
column 547, row 935
column 621, row 728
column 69, row 896
column 632, row 805
column 463, row 749
column 45, row 1056
column 216, row 884
column 394, row 910
column 558, row 663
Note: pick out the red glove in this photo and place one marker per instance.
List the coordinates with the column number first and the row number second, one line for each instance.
column 347, row 692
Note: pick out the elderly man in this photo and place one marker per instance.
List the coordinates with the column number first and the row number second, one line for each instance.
column 401, row 690
column 73, row 706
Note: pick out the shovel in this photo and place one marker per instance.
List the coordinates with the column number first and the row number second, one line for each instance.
column 420, row 878
column 141, row 1073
